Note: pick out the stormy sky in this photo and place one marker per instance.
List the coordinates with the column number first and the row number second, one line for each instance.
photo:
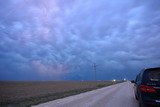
column 61, row 39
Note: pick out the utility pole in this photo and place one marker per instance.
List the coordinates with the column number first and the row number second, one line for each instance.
column 95, row 71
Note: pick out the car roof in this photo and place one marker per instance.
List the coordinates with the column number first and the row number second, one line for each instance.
column 155, row 68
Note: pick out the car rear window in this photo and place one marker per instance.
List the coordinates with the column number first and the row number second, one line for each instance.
column 153, row 75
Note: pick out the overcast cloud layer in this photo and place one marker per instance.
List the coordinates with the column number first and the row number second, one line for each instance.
column 61, row 39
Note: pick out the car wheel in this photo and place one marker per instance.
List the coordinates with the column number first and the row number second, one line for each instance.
column 141, row 104
column 136, row 97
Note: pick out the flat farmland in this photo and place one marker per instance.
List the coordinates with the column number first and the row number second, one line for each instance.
column 23, row 94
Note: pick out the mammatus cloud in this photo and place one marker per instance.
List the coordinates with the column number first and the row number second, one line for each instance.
column 52, row 39
column 48, row 69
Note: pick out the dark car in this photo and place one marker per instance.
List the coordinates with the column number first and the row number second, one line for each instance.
column 147, row 87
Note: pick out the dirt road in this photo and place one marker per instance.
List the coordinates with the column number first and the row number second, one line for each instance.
column 119, row 95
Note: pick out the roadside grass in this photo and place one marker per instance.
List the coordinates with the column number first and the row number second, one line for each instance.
column 49, row 96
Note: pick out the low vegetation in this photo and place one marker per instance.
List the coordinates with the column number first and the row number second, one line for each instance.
column 24, row 94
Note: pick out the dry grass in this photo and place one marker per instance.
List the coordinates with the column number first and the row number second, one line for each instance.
column 35, row 92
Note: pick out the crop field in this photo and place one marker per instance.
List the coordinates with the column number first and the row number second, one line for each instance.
column 24, row 94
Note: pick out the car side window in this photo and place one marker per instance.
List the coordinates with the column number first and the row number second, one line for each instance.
column 141, row 75
column 137, row 78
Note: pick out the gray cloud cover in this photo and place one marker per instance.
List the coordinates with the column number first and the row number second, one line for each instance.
column 61, row 39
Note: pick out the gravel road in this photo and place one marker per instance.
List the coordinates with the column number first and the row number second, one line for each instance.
column 119, row 95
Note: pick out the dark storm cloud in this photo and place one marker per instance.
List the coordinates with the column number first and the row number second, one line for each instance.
column 52, row 39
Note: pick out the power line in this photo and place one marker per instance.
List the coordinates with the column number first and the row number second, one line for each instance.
column 95, row 71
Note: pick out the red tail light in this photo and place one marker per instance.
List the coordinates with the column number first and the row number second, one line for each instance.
column 148, row 89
